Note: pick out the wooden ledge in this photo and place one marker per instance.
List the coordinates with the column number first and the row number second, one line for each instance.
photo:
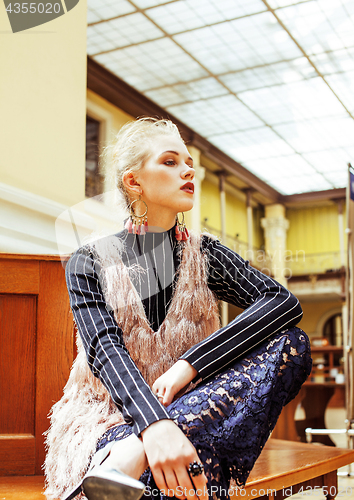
column 283, row 464
column 282, row 468
column 22, row 487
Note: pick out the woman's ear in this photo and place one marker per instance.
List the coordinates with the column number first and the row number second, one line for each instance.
column 130, row 183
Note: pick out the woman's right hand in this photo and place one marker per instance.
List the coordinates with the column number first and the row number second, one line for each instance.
column 169, row 453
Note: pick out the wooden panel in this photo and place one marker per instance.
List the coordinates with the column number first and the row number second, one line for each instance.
column 17, row 340
column 39, row 257
column 54, row 348
column 19, row 276
column 17, row 455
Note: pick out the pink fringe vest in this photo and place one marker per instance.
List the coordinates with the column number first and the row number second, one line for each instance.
column 86, row 410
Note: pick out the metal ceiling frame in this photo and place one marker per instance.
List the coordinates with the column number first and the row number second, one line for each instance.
column 104, row 83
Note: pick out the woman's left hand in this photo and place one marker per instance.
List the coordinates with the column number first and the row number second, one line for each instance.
column 173, row 381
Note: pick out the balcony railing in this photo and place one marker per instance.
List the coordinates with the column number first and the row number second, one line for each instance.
column 257, row 256
column 296, row 262
column 313, row 263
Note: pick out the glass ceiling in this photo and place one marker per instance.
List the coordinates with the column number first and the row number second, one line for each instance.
column 269, row 82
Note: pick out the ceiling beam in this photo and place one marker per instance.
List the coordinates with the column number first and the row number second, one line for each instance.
column 314, row 196
column 113, row 89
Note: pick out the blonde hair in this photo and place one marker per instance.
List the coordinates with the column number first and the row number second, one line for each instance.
column 131, row 147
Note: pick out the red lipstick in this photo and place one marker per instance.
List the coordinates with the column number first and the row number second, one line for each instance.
column 188, row 187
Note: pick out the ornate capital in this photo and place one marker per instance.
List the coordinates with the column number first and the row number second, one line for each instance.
column 275, row 223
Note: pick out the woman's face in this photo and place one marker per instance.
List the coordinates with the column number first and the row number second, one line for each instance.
column 167, row 177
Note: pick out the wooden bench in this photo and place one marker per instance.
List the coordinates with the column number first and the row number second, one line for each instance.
column 287, row 467
column 283, row 468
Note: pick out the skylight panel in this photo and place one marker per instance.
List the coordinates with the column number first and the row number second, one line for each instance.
column 301, row 184
column 105, row 9
column 334, row 62
column 294, row 101
column 120, row 32
column 215, row 116
column 92, row 16
column 315, row 135
column 152, row 64
column 280, row 167
column 234, row 45
column 211, row 51
column 252, row 144
column 193, row 91
column 266, row 76
column 320, row 26
column 330, row 160
column 283, row 3
column 145, row 4
column 184, row 15
column 342, row 85
column 338, row 179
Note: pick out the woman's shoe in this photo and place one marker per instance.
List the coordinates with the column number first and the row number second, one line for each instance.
column 101, row 483
column 110, row 484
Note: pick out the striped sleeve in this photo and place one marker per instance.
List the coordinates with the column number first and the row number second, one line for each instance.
column 107, row 356
column 268, row 308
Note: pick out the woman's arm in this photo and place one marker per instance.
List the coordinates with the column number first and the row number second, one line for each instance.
column 167, row 449
column 107, row 356
column 268, row 307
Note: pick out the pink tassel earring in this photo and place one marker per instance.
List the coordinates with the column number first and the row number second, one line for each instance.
column 181, row 231
column 137, row 224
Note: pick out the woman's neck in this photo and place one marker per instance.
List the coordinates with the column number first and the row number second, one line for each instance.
column 160, row 222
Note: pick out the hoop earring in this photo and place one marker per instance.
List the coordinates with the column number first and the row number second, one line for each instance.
column 137, row 224
column 181, row 231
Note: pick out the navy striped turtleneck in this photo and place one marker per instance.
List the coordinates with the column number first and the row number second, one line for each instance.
column 268, row 308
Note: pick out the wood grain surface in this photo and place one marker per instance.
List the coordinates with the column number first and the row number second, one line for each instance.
column 37, row 350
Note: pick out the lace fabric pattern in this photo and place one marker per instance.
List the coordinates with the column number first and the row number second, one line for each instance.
column 230, row 416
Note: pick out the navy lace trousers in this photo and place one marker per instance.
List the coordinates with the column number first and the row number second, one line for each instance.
column 229, row 417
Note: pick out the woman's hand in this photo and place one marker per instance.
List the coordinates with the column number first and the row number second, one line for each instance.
column 169, row 453
column 174, row 380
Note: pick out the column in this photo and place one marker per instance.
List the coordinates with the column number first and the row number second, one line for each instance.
column 249, row 225
column 195, row 214
column 222, row 176
column 341, row 233
column 275, row 226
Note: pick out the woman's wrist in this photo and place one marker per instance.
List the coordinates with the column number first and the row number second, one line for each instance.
column 173, row 381
column 156, row 426
column 188, row 370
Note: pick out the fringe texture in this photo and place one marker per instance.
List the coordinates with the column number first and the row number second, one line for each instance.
column 86, row 410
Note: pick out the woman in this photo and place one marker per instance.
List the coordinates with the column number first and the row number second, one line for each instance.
column 172, row 402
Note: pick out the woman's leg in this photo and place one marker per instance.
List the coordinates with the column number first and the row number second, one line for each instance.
column 128, row 456
column 229, row 417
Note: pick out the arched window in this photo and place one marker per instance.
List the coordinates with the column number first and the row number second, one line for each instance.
column 333, row 330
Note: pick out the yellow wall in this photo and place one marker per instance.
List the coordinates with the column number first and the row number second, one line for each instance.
column 236, row 214
column 119, row 117
column 236, row 217
column 43, row 106
column 313, row 229
column 258, row 234
column 210, row 204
